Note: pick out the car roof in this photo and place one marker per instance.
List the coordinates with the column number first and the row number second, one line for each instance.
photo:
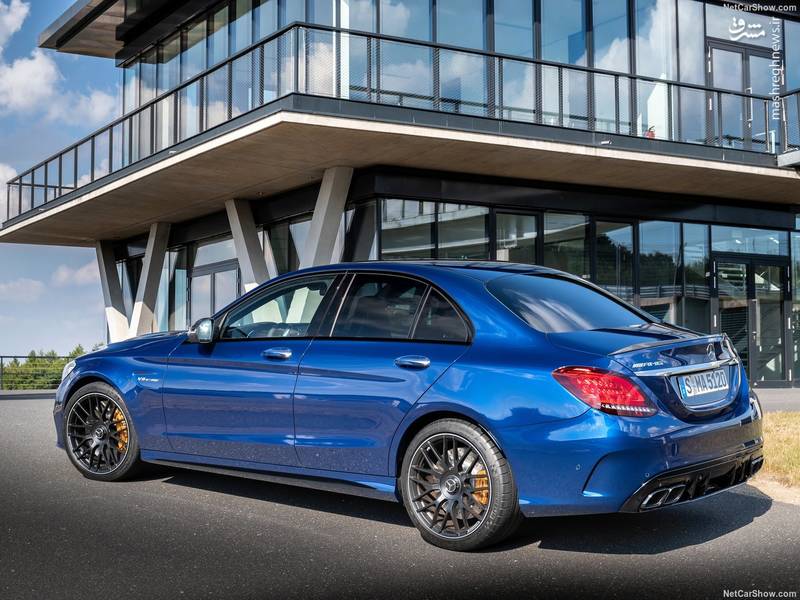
column 481, row 270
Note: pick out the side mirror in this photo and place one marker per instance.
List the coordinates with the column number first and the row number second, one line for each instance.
column 202, row 332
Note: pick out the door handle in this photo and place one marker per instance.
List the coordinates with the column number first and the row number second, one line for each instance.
column 277, row 354
column 413, row 362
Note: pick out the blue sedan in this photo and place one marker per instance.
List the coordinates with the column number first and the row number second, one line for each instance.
column 474, row 393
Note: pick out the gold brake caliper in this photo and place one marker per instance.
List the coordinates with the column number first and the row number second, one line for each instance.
column 482, row 487
column 122, row 429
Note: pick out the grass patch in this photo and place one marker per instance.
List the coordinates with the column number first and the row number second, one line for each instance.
column 782, row 447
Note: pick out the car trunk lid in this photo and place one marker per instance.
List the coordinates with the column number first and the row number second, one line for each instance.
column 694, row 376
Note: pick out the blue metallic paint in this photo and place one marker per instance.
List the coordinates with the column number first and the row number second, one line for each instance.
column 351, row 397
column 353, row 409
column 226, row 400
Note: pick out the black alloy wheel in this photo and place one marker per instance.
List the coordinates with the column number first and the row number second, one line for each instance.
column 458, row 488
column 449, row 485
column 98, row 433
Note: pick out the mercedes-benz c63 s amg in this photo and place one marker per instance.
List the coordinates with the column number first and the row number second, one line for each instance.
column 473, row 393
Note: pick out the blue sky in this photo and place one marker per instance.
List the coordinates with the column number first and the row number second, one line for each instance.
column 50, row 297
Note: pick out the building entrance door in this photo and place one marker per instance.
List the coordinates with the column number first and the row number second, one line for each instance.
column 753, row 294
column 740, row 121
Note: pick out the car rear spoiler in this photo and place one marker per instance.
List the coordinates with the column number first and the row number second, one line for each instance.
column 721, row 338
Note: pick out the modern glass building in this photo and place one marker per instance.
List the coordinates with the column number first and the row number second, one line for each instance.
column 650, row 146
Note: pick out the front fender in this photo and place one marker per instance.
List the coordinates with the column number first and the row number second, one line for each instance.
column 137, row 379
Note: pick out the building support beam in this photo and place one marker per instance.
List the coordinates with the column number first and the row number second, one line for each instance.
column 252, row 262
column 116, row 318
column 321, row 241
column 147, row 292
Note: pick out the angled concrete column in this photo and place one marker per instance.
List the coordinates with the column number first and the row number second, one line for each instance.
column 116, row 319
column 321, row 242
column 252, row 261
column 269, row 256
column 146, row 294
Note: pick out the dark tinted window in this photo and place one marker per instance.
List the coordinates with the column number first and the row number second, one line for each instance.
column 379, row 306
column 440, row 322
column 556, row 304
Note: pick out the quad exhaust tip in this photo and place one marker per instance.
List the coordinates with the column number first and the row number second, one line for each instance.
column 663, row 497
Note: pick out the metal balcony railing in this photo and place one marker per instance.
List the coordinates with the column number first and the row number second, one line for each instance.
column 33, row 372
column 323, row 61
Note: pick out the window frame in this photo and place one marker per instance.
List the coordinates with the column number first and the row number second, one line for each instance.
column 346, row 285
column 316, row 321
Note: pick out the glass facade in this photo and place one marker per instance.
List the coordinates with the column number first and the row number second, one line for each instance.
column 513, row 27
column 610, row 35
column 650, row 51
column 516, row 237
column 566, row 246
column 691, row 42
column 614, row 258
column 463, row 232
column 697, row 277
column 669, row 36
column 461, row 23
column 656, row 39
column 407, row 229
column 564, row 31
column 792, row 53
column 660, row 288
column 749, row 241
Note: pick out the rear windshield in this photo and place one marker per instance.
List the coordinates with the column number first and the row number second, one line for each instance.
column 554, row 304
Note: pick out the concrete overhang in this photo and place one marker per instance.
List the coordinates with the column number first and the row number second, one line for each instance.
column 115, row 28
column 88, row 27
column 287, row 150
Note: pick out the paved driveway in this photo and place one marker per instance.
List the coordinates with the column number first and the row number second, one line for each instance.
column 180, row 534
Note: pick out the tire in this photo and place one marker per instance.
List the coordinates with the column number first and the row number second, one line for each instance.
column 99, row 435
column 458, row 487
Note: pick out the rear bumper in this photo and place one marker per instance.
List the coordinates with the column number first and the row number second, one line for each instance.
column 683, row 485
column 596, row 463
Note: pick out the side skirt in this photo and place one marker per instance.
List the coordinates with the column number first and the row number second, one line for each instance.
column 366, row 489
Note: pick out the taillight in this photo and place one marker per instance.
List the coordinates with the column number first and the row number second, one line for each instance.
column 605, row 391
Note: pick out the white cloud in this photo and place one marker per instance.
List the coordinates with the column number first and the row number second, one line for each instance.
column 85, row 275
column 21, row 290
column 96, row 108
column 28, row 84
column 12, row 16
column 33, row 84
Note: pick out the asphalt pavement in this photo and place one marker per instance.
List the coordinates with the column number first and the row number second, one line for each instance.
column 182, row 534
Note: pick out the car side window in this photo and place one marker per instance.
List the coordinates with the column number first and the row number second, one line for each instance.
column 285, row 312
column 439, row 321
column 379, row 307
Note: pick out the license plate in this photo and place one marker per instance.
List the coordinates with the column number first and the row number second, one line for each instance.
column 707, row 382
